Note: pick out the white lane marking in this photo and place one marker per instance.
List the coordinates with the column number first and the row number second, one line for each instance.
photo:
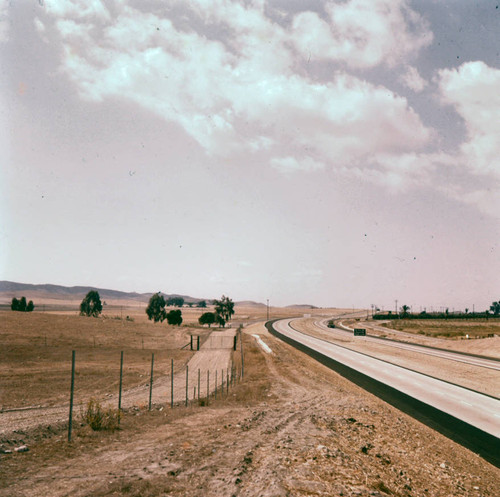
column 466, row 403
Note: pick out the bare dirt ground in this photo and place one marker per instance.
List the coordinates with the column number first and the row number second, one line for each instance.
column 290, row 428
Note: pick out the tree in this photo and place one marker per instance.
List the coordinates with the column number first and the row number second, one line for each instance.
column 175, row 301
column 202, row 304
column 156, row 308
column 404, row 310
column 21, row 305
column 91, row 304
column 224, row 309
column 495, row 308
column 207, row 318
column 175, row 317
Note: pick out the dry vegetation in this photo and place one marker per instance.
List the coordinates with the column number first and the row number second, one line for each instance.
column 290, row 428
column 35, row 363
column 448, row 328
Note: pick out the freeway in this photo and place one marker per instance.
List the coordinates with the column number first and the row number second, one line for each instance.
column 474, row 360
column 464, row 415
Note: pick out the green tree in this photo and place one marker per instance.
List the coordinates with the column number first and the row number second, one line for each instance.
column 175, row 302
column 404, row 311
column 224, row 309
column 30, row 306
column 91, row 304
column 207, row 318
column 22, row 304
column 495, row 308
column 156, row 308
column 175, row 317
column 202, row 304
column 15, row 304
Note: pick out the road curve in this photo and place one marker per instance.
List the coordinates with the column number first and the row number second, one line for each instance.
column 473, row 360
column 466, row 416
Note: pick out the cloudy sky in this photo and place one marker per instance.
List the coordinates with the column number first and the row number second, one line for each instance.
column 339, row 153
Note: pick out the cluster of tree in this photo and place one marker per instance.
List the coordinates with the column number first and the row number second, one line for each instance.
column 495, row 308
column 21, row 305
column 175, row 302
column 224, row 309
column 405, row 314
column 91, row 304
column 156, row 311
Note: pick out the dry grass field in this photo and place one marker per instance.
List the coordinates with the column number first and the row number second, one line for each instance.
column 35, row 363
column 448, row 328
column 290, row 428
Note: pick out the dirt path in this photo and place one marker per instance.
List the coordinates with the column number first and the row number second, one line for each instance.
column 309, row 432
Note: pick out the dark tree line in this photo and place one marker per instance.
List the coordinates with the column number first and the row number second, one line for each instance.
column 21, row 305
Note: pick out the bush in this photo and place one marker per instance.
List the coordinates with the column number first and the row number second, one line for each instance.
column 101, row 419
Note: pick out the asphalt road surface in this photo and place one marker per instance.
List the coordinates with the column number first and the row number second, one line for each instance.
column 484, row 362
column 473, row 408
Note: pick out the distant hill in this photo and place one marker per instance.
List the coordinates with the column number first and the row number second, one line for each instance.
column 249, row 303
column 11, row 288
column 302, row 306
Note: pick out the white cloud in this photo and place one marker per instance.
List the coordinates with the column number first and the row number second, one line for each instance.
column 473, row 90
column 293, row 164
column 242, row 94
column 4, row 21
column 78, row 9
column 412, row 79
column 362, row 33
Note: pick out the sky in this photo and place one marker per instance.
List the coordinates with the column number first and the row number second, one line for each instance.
column 335, row 153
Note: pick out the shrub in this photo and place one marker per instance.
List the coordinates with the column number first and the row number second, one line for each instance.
column 101, row 419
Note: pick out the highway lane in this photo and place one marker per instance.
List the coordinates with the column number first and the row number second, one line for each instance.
column 483, row 362
column 473, row 408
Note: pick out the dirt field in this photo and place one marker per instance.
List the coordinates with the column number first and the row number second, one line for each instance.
column 291, row 427
column 448, row 328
